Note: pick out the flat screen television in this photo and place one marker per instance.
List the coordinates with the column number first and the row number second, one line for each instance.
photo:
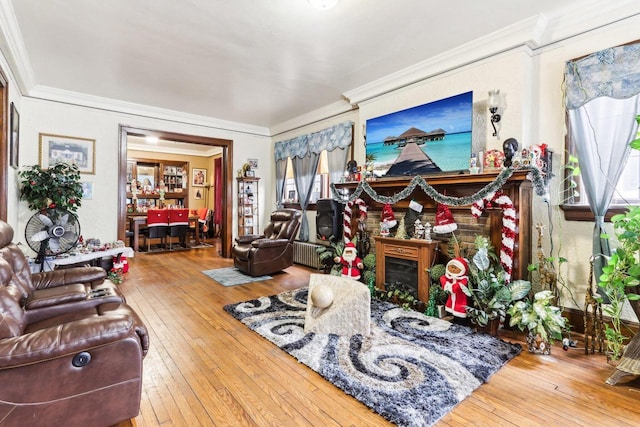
column 433, row 138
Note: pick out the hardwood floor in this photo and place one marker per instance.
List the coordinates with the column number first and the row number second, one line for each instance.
column 206, row 369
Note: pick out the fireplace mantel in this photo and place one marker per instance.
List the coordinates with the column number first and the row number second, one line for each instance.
column 519, row 189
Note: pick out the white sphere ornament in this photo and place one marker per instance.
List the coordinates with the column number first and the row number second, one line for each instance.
column 321, row 296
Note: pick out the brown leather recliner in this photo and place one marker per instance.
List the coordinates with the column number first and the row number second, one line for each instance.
column 54, row 292
column 74, row 360
column 258, row 255
column 82, row 368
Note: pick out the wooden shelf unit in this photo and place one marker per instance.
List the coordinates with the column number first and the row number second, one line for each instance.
column 248, row 214
column 148, row 173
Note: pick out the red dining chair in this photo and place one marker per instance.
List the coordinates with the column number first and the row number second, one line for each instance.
column 178, row 226
column 204, row 214
column 157, row 226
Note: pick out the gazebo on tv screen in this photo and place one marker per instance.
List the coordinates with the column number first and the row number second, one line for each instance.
column 427, row 139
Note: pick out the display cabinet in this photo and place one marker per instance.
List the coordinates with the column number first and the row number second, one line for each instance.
column 156, row 184
column 248, row 218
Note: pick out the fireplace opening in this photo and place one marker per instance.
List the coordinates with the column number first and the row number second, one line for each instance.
column 401, row 274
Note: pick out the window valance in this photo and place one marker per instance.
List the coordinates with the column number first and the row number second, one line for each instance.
column 612, row 72
column 338, row 136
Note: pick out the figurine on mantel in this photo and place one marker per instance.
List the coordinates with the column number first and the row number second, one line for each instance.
column 388, row 220
column 384, row 229
column 418, row 230
column 427, row 232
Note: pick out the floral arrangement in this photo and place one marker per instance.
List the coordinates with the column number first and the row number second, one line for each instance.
column 56, row 187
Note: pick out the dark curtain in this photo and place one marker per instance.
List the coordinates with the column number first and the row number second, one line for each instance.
column 217, row 184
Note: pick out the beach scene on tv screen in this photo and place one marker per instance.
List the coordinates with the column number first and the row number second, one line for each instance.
column 427, row 139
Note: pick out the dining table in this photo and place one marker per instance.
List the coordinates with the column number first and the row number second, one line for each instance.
column 139, row 221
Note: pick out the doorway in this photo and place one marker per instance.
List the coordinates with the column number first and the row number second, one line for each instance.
column 4, row 143
column 227, row 179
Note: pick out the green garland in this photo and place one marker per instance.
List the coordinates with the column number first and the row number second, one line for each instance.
column 419, row 181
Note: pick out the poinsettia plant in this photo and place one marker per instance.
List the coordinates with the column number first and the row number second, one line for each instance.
column 56, row 187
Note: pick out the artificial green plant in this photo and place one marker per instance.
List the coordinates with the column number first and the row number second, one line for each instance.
column 620, row 277
column 489, row 293
column 56, row 187
column 539, row 317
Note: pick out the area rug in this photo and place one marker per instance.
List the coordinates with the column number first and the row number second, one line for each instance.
column 231, row 276
column 412, row 369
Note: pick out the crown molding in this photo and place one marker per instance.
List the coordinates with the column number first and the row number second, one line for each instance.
column 596, row 14
column 323, row 113
column 74, row 98
column 14, row 49
column 524, row 33
column 533, row 33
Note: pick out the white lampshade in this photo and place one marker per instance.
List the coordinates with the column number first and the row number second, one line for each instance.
column 494, row 98
column 323, row 4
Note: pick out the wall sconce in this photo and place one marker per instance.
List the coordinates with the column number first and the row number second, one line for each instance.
column 496, row 106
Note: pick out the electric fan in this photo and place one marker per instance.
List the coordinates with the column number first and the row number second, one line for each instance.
column 52, row 232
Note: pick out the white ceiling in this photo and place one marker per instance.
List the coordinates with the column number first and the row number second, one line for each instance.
column 255, row 62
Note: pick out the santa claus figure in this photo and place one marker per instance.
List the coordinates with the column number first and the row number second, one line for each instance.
column 455, row 282
column 351, row 264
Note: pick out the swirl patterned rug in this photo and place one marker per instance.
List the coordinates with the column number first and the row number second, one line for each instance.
column 412, row 369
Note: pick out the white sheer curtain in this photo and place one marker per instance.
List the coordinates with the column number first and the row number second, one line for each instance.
column 337, row 160
column 602, row 98
column 603, row 129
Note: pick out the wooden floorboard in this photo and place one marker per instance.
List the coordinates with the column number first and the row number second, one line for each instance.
column 205, row 368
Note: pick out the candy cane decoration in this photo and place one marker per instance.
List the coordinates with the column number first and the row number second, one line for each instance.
column 348, row 211
column 508, row 226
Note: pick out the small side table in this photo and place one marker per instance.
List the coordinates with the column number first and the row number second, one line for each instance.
column 91, row 258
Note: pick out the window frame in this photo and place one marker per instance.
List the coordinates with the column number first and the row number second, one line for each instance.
column 582, row 211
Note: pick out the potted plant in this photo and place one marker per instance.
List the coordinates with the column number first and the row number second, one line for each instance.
column 620, row 278
column 543, row 321
column 56, row 187
column 488, row 290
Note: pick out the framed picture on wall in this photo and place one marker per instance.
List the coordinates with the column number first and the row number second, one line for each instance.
column 87, row 190
column 68, row 149
column 199, row 177
column 198, row 194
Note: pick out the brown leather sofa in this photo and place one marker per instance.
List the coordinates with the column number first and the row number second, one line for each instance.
column 258, row 255
column 52, row 292
column 74, row 363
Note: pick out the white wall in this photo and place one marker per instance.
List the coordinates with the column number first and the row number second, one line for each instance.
column 573, row 239
column 98, row 217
